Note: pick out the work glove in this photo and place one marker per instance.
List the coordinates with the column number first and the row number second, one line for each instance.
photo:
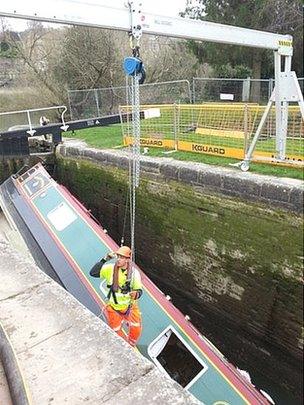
column 109, row 256
column 134, row 295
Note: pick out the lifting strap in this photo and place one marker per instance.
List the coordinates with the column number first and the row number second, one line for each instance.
column 114, row 287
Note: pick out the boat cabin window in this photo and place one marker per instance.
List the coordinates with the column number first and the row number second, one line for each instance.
column 172, row 354
column 61, row 216
column 35, row 184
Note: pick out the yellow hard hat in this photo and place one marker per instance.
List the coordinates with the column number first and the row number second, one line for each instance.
column 124, row 251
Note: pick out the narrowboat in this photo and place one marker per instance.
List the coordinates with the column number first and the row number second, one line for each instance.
column 66, row 242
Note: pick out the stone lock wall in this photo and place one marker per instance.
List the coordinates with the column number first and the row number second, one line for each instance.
column 9, row 166
column 227, row 246
column 241, row 258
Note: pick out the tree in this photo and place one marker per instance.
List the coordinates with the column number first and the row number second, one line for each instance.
column 91, row 58
column 169, row 59
column 280, row 16
column 34, row 50
column 8, row 54
column 54, row 61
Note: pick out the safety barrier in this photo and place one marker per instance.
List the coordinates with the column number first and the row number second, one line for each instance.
column 216, row 128
column 90, row 103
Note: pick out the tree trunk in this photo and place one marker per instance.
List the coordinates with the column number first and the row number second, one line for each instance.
column 256, row 74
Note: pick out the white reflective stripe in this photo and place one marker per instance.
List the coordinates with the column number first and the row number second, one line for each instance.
column 135, row 324
column 121, row 295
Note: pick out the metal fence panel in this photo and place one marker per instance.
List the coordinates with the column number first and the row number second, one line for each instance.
column 177, row 91
column 83, row 104
column 216, row 90
column 231, row 90
column 106, row 101
column 223, row 129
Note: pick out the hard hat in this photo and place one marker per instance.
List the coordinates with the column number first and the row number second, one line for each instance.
column 124, row 251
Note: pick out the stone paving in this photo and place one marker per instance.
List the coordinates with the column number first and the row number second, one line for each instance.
column 66, row 354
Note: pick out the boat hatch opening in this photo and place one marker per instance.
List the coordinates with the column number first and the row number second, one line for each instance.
column 172, row 354
column 61, row 216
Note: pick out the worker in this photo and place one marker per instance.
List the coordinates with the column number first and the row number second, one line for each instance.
column 124, row 289
column 43, row 121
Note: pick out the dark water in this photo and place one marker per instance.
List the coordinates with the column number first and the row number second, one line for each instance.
column 270, row 370
column 280, row 395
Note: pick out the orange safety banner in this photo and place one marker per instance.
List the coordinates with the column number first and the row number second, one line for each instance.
column 210, row 149
column 266, row 157
column 216, row 150
column 155, row 142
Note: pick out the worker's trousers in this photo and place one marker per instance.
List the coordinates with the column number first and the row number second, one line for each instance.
column 131, row 317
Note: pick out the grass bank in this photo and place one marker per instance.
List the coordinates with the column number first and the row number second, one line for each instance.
column 111, row 137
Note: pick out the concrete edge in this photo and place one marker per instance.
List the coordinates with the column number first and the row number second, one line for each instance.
column 17, row 386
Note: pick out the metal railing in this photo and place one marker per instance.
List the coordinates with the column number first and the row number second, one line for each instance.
column 30, row 118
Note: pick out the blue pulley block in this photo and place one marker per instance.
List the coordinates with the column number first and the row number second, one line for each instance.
column 132, row 65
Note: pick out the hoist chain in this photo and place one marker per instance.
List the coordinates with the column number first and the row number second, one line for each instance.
column 135, row 171
column 135, row 70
